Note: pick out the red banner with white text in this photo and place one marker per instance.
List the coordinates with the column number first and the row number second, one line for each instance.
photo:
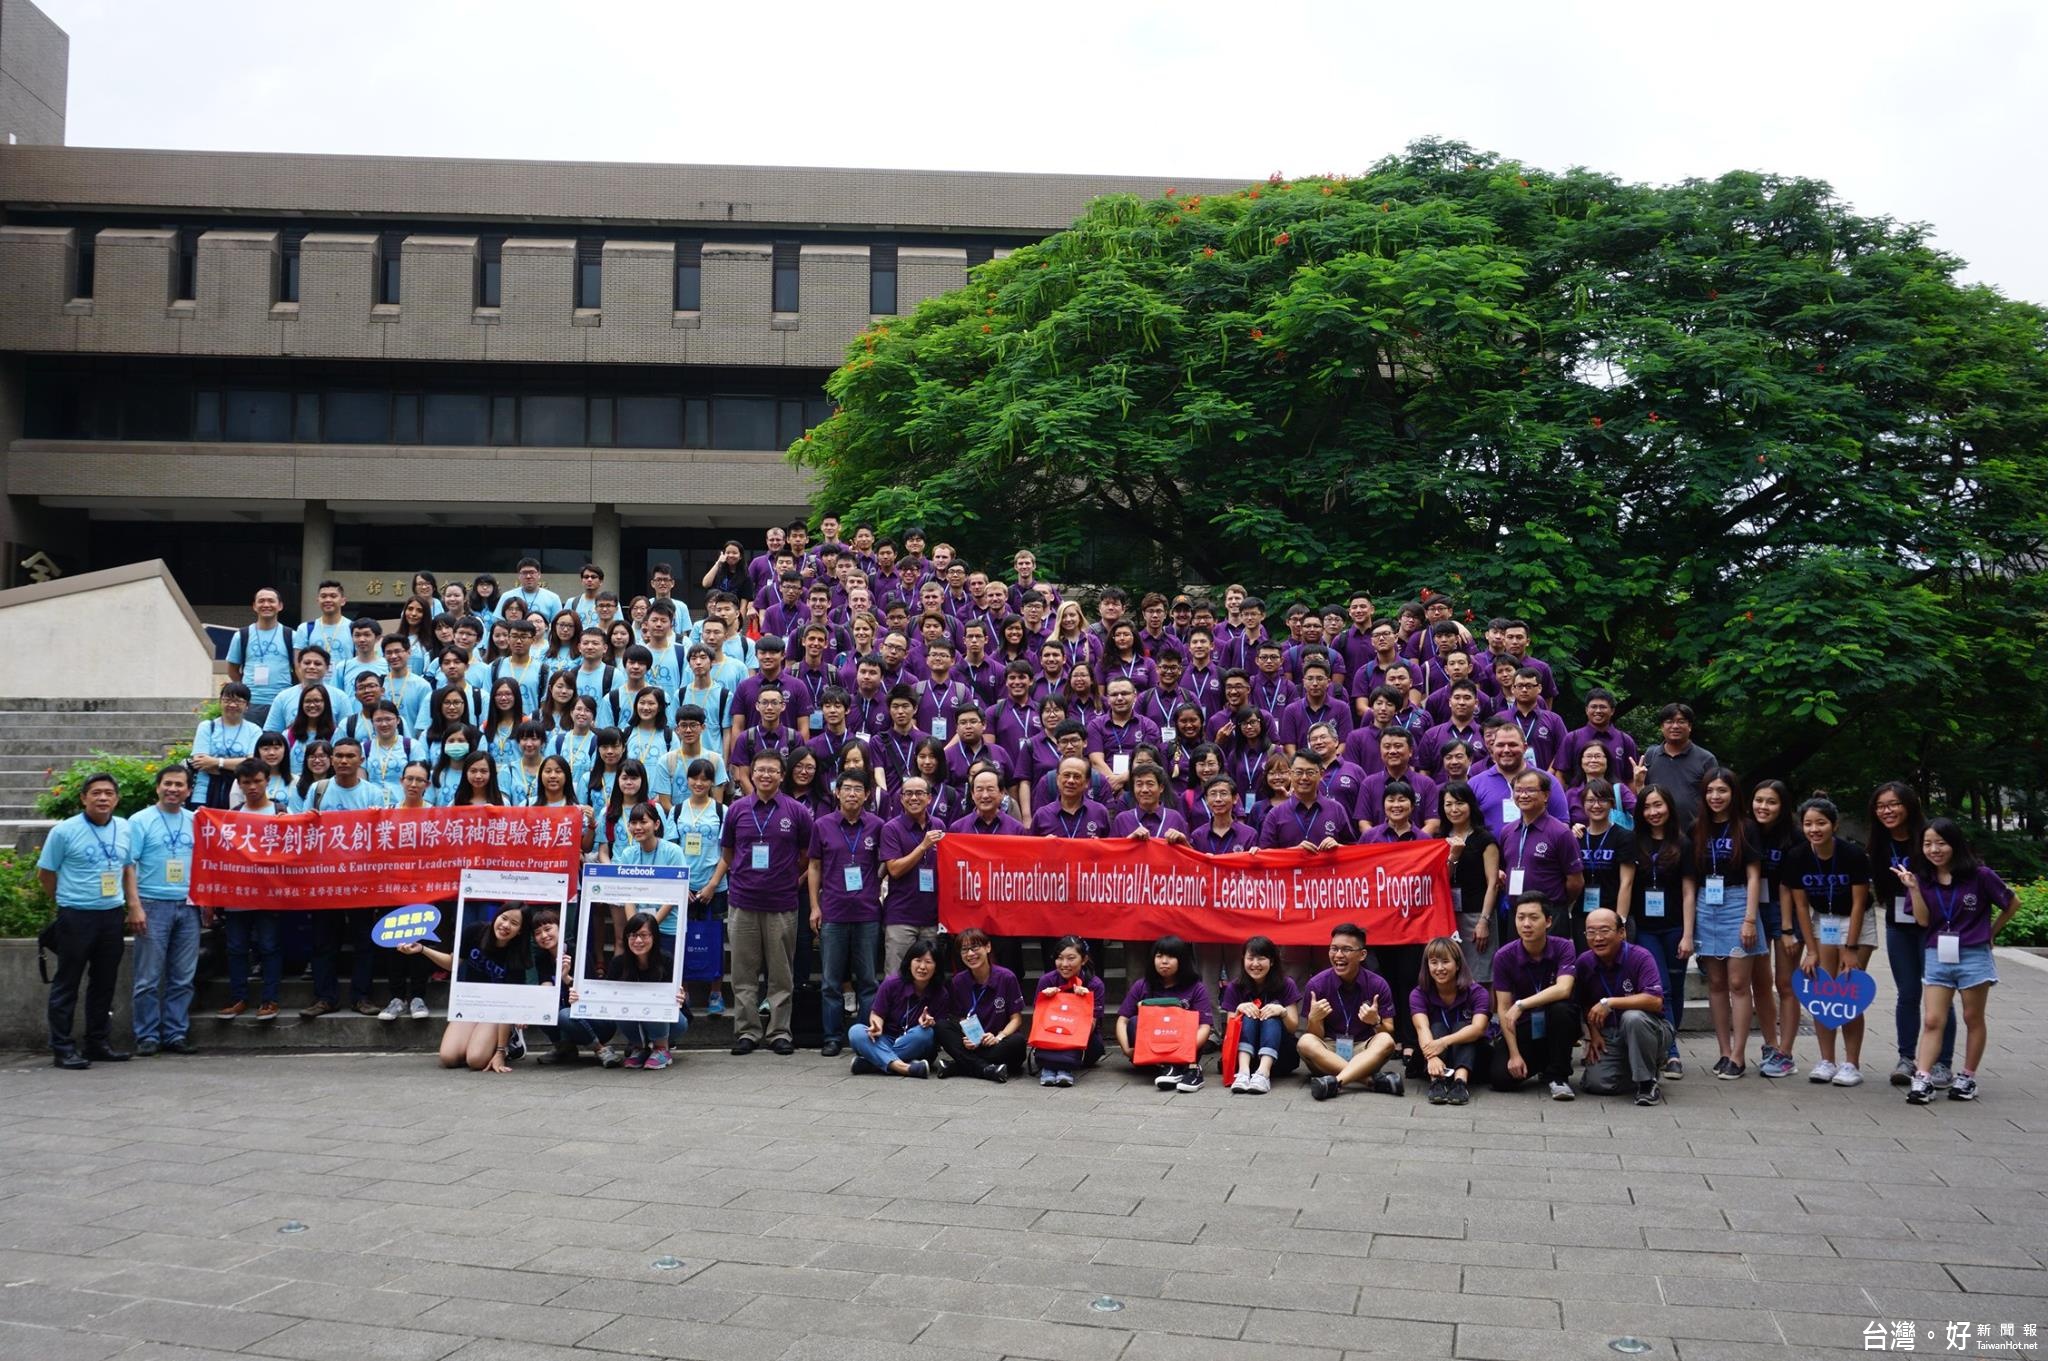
column 1135, row 890
column 381, row 857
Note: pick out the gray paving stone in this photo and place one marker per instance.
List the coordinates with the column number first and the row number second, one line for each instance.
column 58, row 1344
column 1039, row 1340
column 192, row 1325
column 556, row 1323
column 1484, row 1342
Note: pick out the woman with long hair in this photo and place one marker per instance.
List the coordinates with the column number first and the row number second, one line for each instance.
column 1897, row 823
column 1665, row 901
column 1830, row 878
column 1728, row 921
column 1453, row 1021
column 1954, row 896
column 1777, row 1007
column 1270, row 1004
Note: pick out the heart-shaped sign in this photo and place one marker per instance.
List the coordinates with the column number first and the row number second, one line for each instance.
column 1832, row 1001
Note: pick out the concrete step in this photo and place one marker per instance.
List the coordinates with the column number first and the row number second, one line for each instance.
column 111, row 705
column 71, row 750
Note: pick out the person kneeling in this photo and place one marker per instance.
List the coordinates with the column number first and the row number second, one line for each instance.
column 900, row 1036
column 1533, row 978
column 1622, row 998
column 1452, row 1023
column 1347, row 1033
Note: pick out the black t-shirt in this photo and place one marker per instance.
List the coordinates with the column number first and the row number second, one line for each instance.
column 1605, row 853
column 1468, row 876
column 1829, row 884
column 625, row 967
column 483, row 961
column 1657, row 869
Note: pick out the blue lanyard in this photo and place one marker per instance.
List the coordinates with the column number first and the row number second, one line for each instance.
column 1593, row 849
column 760, row 823
column 173, row 841
column 1301, row 825
column 1071, row 831
column 110, row 845
column 852, row 835
column 1950, row 907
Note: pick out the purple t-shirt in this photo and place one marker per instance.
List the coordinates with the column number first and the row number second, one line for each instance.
column 994, row 1002
column 797, row 696
column 899, row 1003
column 1240, row 837
column 1447, row 1017
column 1429, row 749
column 1519, row 976
column 1372, row 792
column 1156, row 823
column 784, row 827
column 1297, row 718
column 1289, row 823
column 1619, row 744
column 1496, row 803
column 1544, row 732
column 1111, row 739
column 1345, row 999
column 1052, row 820
column 959, row 761
column 1193, row 994
column 1967, row 906
column 1285, row 991
column 910, row 903
column 836, row 848
column 1545, row 851
column 1004, row 825
column 1633, row 971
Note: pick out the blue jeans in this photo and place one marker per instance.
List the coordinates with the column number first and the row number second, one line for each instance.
column 649, row 1034
column 569, row 1029
column 849, row 949
column 1269, row 1037
column 166, row 957
column 261, row 927
column 918, row 1042
column 1905, row 948
column 1663, row 947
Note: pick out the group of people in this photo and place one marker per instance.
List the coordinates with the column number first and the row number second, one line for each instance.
column 841, row 706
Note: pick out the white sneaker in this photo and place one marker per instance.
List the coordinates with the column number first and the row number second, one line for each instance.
column 1261, row 1084
column 1847, row 1075
column 1242, row 1082
column 393, row 1009
column 1561, row 1091
column 1822, row 1071
column 419, row 1008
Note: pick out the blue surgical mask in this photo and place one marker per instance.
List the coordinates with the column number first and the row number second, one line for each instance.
column 457, row 750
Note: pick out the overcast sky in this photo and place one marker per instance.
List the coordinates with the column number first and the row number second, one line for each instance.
column 1920, row 112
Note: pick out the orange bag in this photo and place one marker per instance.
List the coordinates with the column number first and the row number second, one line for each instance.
column 1233, row 1035
column 1063, row 1020
column 1165, row 1035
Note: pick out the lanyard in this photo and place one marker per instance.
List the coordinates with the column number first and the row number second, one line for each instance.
column 1217, row 839
column 1522, row 847
column 213, row 742
column 1827, row 873
column 1162, row 821
column 1444, row 1017
column 852, row 835
column 760, row 823
column 1608, row 985
column 173, row 841
column 110, row 845
column 1715, row 846
column 1075, row 830
column 1302, row 824
column 1595, row 850
column 1950, row 907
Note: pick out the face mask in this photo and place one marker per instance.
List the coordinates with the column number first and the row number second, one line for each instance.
column 457, row 750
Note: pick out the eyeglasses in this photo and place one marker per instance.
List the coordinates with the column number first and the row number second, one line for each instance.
column 1347, row 949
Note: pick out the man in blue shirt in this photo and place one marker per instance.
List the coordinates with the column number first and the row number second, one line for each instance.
column 167, row 953
column 221, row 744
column 260, row 656
column 88, row 867
column 346, row 791
column 540, row 601
column 331, row 630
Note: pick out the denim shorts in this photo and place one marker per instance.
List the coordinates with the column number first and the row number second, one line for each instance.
column 1973, row 970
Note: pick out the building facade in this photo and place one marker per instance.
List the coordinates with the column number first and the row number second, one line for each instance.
column 275, row 368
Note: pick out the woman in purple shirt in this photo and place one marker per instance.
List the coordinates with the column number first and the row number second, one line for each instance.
column 1171, row 974
column 1953, row 898
column 1070, row 973
column 1270, row 1003
column 983, row 1035
column 900, row 1035
column 1452, row 1022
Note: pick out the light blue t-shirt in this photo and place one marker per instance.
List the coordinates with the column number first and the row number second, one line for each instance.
column 668, row 669
column 284, row 709
column 622, row 836
column 704, row 824
column 161, row 842
column 337, row 639
column 81, row 853
column 578, row 749
column 265, row 656
column 410, row 693
column 539, row 601
column 386, row 765
column 670, row 776
column 515, row 784
column 529, row 677
column 665, row 853
column 599, row 681
column 230, row 744
column 647, row 745
column 330, row 796
column 345, row 672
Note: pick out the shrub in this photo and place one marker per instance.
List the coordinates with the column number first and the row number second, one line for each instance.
column 135, row 774
column 2029, row 926
column 24, row 907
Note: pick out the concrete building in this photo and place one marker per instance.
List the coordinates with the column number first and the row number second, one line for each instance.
column 273, row 368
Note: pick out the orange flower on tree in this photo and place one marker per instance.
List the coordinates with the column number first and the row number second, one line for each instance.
column 1208, row 252
column 1282, row 239
column 1257, row 334
column 1598, row 423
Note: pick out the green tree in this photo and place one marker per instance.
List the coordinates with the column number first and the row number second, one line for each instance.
column 1723, row 440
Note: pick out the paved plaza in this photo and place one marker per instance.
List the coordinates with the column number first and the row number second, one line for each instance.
column 810, row 1214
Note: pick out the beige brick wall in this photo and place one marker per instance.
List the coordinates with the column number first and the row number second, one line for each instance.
column 438, row 316
column 35, row 283
column 637, row 323
column 236, row 280
column 132, row 285
column 337, row 291
column 927, row 271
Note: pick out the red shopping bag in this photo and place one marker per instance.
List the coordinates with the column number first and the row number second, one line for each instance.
column 1063, row 1020
column 1165, row 1034
column 1233, row 1034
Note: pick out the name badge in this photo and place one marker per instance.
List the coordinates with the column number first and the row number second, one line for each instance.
column 110, row 884
column 1714, row 891
column 1948, row 948
column 1539, row 1022
column 174, row 871
column 760, row 860
column 259, row 675
column 817, row 720
column 1343, row 1043
column 1902, row 910
column 1458, row 900
column 970, row 1029
column 1120, row 764
column 693, row 844
column 1592, row 898
column 939, row 728
column 1833, row 930
column 1508, row 811
column 1653, row 902
column 853, row 878
column 1515, row 878
column 862, row 738
column 927, row 881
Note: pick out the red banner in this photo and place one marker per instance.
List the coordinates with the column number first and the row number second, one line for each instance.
column 1137, row 890
column 380, row 857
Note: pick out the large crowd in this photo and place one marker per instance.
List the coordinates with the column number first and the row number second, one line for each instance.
column 842, row 705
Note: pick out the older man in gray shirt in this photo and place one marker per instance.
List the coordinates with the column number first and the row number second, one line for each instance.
column 1678, row 765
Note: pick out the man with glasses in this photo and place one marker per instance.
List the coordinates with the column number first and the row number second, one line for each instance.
column 1347, row 1023
column 1621, row 997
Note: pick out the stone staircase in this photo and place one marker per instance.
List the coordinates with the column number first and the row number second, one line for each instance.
column 40, row 737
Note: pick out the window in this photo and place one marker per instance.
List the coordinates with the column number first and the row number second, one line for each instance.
column 259, row 417
column 206, row 417
column 504, row 420
column 306, row 418
column 789, row 422
column 357, row 418
column 187, row 264
column 490, row 271
column 980, row 255
column 650, row 422
column 390, row 254
column 456, row 418
column 743, row 423
column 155, row 411
column 589, row 272
column 697, row 423
column 405, row 418
column 81, row 278
column 601, row 420
column 785, row 282
column 288, row 265
column 551, row 420
column 882, row 280
column 689, row 276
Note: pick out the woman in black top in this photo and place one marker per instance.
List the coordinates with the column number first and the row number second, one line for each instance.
column 499, row 951
column 1609, row 852
column 1897, row 823
column 1475, row 878
column 1830, row 880
column 1662, row 903
column 1777, row 1007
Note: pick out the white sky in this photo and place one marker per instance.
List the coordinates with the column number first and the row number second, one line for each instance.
column 1921, row 112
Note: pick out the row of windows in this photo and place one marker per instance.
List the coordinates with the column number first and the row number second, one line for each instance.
column 85, row 407
column 588, row 287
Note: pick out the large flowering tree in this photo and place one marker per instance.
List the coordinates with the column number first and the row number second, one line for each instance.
column 1723, row 440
